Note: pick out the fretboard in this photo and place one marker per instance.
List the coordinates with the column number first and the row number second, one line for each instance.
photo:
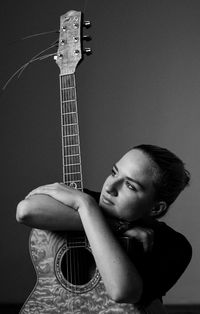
column 72, row 167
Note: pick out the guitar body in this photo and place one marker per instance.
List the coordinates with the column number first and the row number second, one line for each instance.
column 53, row 293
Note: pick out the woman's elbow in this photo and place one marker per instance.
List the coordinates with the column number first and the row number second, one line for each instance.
column 23, row 211
column 127, row 295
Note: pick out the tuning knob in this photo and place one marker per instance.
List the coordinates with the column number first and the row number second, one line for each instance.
column 87, row 51
column 87, row 24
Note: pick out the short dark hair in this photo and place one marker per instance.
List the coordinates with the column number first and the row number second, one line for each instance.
column 171, row 177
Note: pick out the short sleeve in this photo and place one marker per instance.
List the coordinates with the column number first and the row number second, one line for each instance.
column 163, row 266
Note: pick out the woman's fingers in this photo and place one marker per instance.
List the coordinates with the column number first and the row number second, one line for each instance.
column 44, row 189
column 144, row 235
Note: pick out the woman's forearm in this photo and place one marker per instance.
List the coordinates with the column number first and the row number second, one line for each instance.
column 44, row 212
column 121, row 278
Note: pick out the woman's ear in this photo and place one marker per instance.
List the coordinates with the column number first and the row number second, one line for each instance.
column 159, row 209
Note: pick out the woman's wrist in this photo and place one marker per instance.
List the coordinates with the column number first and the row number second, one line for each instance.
column 86, row 202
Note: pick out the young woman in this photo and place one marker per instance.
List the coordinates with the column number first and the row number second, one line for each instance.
column 140, row 189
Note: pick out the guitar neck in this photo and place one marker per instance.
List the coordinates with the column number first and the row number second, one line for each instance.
column 72, row 167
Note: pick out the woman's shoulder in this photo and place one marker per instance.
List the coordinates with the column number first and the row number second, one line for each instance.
column 168, row 237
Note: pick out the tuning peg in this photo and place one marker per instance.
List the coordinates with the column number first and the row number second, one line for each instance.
column 87, row 51
column 87, row 24
column 58, row 56
column 86, row 37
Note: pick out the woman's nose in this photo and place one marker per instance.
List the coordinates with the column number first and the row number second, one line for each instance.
column 112, row 188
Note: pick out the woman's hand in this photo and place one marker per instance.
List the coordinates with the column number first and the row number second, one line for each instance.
column 62, row 193
column 143, row 235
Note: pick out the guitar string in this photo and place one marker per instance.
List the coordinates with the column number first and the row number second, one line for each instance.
column 69, row 142
column 62, row 83
column 68, row 95
column 80, row 168
column 77, row 266
column 72, row 91
column 70, row 123
column 77, row 269
column 79, row 272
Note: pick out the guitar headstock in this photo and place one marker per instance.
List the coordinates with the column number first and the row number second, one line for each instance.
column 70, row 47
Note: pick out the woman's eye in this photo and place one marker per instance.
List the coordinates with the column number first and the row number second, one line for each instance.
column 113, row 172
column 130, row 186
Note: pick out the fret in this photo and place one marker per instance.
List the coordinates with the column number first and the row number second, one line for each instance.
column 72, row 156
column 72, row 164
column 72, row 181
column 75, row 158
column 71, row 145
column 70, row 112
column 76, row 242
column 71, row 140
column 69, row 106
column 69, row 118
column 70, row 150
column 80, row 243
column 72, row 177
column 70, row 129
column 69, row 100
column 64, row 88
column 70, row 124
column 73, row 168
column 68, row 94
column 72, row 246
column 70, row 135
column 67, row 80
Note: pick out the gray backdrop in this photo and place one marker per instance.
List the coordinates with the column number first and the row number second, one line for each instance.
column 141, row 85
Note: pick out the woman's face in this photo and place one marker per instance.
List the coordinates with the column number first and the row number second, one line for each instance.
column 128, row 193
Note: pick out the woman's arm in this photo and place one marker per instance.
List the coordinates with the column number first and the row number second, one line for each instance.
column 122, row 280
column 44, row 212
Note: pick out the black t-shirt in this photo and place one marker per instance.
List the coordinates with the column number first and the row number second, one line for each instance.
column 161, row 267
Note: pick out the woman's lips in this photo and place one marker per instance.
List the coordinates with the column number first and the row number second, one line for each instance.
column 106, row 200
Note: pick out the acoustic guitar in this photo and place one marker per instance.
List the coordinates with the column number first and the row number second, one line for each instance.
column 68, row 281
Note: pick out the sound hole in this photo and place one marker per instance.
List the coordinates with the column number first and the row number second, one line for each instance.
column 78, row 266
